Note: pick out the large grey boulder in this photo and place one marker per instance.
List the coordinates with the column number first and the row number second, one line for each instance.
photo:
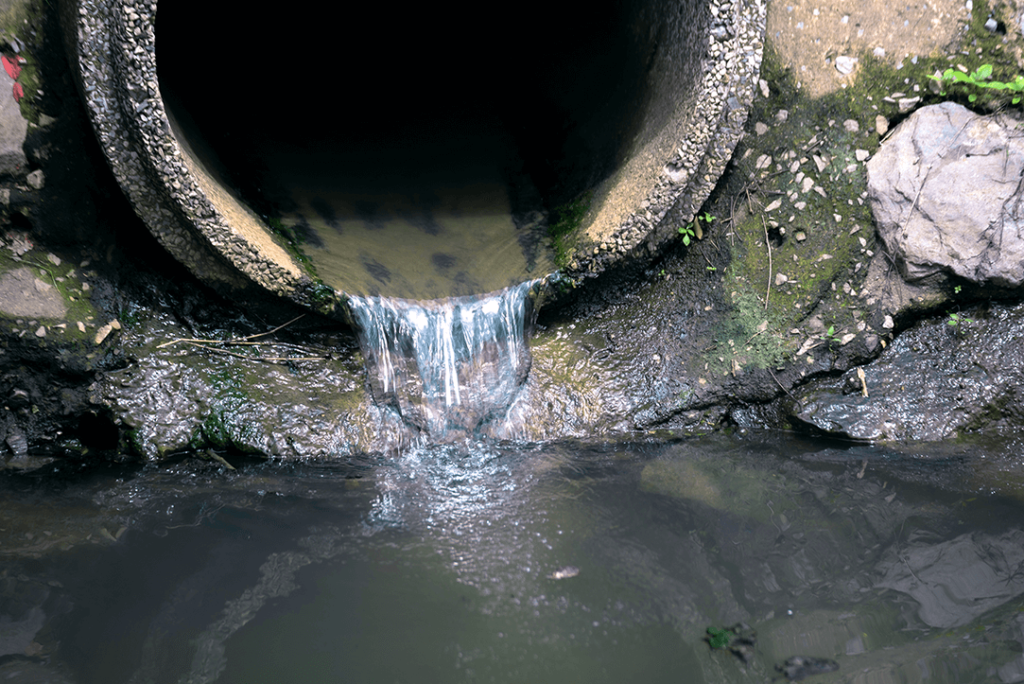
column 945, row 190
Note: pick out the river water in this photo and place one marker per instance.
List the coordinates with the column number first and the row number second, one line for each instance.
column 515, row 562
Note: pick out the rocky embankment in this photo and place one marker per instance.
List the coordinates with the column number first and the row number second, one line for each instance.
column 857, row 272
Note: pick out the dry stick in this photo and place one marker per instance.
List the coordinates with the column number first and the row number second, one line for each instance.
column 777, row 382
column 767, row 244
column 234, row 340
column 271, row 332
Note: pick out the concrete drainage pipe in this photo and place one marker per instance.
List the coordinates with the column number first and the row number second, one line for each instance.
column 621, row 119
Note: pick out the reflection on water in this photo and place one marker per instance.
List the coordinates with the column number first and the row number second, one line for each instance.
column 442, row 564
column 412, row 231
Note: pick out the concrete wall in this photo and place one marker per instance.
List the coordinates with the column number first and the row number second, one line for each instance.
column 698, row 77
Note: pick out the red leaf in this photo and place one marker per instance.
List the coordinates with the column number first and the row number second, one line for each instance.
column 11, row 66
column 19, row 92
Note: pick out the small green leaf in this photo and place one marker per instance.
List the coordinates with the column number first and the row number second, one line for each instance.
column 983, row 73
column 718, row 638
column 972, row 98
column 686, row 240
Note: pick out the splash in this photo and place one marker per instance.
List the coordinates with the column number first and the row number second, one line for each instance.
column 446, row 366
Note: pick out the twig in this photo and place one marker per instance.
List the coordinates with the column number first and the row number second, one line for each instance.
column 241, row 341
column 781, row 386
column 768, row 244
column 271, row 332
column 41, row 267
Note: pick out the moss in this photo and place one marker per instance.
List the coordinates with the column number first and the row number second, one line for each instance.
column 564, row 221
column 68, row 282
column 798, row 209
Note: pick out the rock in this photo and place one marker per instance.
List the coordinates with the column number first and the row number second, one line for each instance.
column 945, row 194
column 933, row 382
column 800, row 667
column 881, row 125
column 907, row 103
column 845, row 65
column 22, row 294
column 760, row 128
column 101, row 334
column 851, row 126
column 13, row 129
column 36, row 179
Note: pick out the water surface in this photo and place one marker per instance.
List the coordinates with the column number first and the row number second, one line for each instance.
column 596, row 562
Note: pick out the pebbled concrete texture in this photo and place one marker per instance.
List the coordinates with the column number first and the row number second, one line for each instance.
column 684, row 145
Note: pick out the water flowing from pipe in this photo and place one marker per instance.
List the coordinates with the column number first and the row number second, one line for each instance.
column 446, row 366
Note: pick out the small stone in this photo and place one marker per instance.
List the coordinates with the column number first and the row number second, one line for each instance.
column 807, row 184
column 861, row 155
column 36, row 179
column 763, row 162
column 775, row 204
column 800, row 206
column 851, row 126
column 41, row 331
column 81, row 326
column 781, row 116
column 888, row 323
column 991, row 25
column 101, row 334
column 820, row 162
column 845, row 65
column 794, row 167
column 908, row 103
column 760, row 128
column 763, row 85
column 781, row 279
column 846, row 339
column 878, row 52
column 800, row 236
column 881, row 125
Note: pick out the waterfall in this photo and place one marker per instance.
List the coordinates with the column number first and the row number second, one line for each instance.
column 448, row 365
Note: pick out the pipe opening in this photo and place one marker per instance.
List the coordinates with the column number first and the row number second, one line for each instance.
column 409, row 152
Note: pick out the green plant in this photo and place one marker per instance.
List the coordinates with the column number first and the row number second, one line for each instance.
column 830, row 334
column 980, row 78
column 718, row 638
column 693, row 229
column 956, row 320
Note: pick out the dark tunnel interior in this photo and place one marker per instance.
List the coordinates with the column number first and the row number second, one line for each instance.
column 552, row 96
